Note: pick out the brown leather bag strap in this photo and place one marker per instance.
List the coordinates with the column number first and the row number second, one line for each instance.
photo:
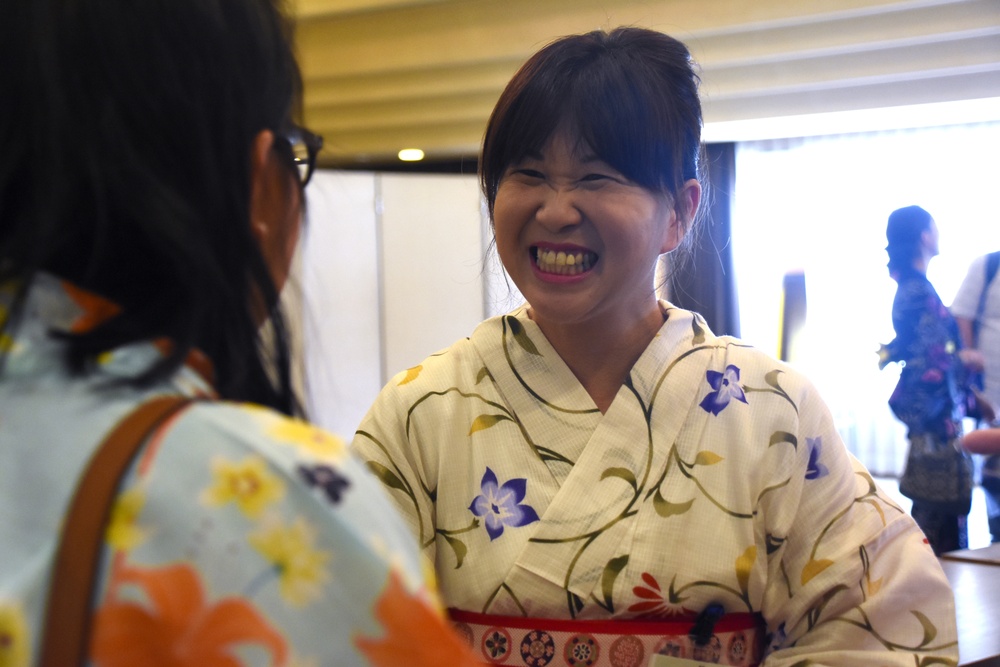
column 66, row 633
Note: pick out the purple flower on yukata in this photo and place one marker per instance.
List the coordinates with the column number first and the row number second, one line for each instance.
column 775, row 640
column 325, row 478
column 726, row 386
column 501, row 505
column 815, row 469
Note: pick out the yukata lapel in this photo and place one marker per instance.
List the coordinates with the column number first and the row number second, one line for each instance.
column 587, row 527
column 556, row 415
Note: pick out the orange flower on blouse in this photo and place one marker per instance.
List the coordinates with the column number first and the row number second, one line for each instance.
column 414, row 633
column 94, row 310
column 176, row 628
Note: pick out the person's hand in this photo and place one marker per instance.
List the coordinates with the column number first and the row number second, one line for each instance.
column 983, row 441
column 972, row 359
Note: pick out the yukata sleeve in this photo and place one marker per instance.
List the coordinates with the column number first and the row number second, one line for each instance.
column 389, row 449
column 852, row 580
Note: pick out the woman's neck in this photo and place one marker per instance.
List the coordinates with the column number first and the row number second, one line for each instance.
column 601, row 356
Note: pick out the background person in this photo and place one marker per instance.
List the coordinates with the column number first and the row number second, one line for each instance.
column 931, row 396
column 150, row 200
column 977, row 310
column 597, row 455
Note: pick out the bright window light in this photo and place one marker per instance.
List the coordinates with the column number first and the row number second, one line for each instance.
column 820, row 205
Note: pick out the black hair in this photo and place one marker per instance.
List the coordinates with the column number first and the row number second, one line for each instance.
column 126, row 170
column 903, row 232
column 631, row 94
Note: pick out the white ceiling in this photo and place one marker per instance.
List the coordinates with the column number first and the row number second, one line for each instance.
column 381, row 75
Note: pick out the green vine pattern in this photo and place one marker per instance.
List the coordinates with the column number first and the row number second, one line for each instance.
column 649, row 488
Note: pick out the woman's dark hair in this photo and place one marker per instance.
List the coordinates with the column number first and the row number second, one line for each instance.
column 127, row 130
column 906, row 225
column 631, row 95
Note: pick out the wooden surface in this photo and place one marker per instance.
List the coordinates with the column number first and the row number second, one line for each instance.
column 987, row 555
column 977, row 603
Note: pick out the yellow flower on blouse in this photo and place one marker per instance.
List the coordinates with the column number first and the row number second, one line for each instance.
column 123, row 531
column 6, row 342
column 300, row 567
column 15, row 644
column 248, row 483
column 313, row 440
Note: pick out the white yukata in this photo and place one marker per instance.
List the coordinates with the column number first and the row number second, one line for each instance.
column 715, row 477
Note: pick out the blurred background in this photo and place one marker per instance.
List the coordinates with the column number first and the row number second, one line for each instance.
column 829, row 114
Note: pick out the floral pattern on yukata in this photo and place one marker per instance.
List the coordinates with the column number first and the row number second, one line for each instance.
column 716, row 476
column 500, row 505
column 930, row 396
column 239, row 536
column 726, row 387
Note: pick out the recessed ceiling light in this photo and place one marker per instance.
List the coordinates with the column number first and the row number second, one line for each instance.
column 411, row 155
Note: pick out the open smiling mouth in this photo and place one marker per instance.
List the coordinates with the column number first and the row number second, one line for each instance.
column 563, row 263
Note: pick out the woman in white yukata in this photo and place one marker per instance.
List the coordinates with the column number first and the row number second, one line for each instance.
column 598, row 478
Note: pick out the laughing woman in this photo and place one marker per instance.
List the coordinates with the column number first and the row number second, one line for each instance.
column 597, row 477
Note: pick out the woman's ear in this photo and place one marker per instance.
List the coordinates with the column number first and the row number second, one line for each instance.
column 261, row 186
column 275, row 206
column 682, row 215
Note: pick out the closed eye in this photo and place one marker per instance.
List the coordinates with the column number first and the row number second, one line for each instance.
column 529, row 173
column 598, row 179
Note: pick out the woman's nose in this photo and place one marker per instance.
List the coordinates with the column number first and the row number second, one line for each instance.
column 558, row 208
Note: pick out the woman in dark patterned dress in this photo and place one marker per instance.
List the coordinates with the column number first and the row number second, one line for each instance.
column 930, row 397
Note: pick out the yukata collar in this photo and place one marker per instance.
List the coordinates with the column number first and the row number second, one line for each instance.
column 65, row 308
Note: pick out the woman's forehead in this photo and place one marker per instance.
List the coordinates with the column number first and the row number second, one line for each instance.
column 567, row 137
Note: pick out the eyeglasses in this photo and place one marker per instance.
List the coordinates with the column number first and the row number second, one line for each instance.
column 304, row 147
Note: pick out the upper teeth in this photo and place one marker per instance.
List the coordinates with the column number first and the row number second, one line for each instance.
column 561, row 262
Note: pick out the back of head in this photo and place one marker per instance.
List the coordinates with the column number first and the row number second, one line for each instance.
column 631, row 94
column 126, row 165
column 904, row 232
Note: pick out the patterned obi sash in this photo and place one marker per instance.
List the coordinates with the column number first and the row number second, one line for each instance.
column 734, row 639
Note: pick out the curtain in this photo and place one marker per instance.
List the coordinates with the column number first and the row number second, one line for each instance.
column 819, row 206
column 705, row 281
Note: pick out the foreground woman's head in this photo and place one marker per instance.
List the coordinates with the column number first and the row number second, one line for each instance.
column 149, row 160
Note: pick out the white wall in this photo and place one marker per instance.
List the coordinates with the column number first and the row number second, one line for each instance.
column 391, row 271
column 431, row 262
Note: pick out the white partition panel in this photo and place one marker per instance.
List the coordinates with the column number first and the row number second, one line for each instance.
column 340, row 319
column 432, row 260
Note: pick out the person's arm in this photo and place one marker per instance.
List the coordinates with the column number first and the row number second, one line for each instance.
column 965, row 331
column 383, row 443
column 982, row 441
column 966, row 301
column 859, row 574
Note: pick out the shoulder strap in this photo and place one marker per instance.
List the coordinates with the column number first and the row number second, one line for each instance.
column 66, row 633
column 992, row 263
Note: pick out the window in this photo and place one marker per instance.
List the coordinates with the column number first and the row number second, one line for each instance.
column 820, row 205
